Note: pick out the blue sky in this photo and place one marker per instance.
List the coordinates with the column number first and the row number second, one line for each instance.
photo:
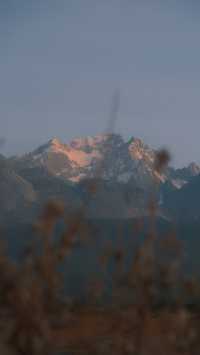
column 61, row 61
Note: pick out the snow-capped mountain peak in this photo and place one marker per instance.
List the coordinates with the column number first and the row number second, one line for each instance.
column 54, row 142
column 140, row 151
column 194, row 169
column 105, row 155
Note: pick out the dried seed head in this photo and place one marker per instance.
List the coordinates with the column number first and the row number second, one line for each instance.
column 162, row 160
column 118, row 255
column 54, row 209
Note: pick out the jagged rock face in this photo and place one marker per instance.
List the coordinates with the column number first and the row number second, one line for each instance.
column 105, row 156
column 125, row 171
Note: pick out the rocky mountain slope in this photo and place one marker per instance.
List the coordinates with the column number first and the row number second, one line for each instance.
column 124, row 172
column 16, row 193
column 105, row 156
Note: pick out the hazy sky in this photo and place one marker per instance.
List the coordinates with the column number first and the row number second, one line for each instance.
column 61, row 60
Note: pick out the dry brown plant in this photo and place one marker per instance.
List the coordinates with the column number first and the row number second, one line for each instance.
column 148, row 313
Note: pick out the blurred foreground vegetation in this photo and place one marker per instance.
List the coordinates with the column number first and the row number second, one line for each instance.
column 153, row 305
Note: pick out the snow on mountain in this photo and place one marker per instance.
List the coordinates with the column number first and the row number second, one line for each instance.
column 105, row 156
column 123, row 170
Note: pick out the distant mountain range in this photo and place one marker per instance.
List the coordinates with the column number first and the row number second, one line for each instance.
column 123, row 171
column 105, row 156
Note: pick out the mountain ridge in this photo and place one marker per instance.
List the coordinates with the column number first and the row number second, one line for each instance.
column 124, row 172
column 120, row 160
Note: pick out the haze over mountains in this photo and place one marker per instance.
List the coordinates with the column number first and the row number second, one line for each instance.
column 124, row 172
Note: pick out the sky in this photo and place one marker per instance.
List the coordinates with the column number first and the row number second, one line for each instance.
column 61, row 61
